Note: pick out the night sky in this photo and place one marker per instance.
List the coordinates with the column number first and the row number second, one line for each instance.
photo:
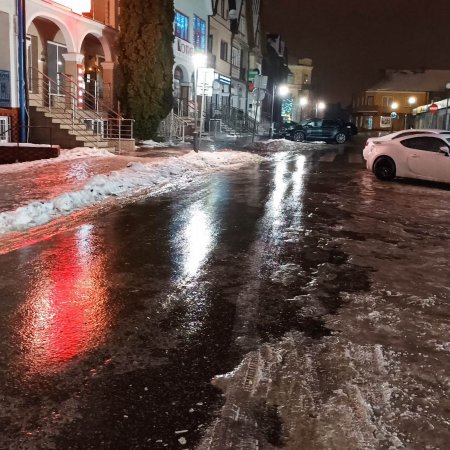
column 351, row 41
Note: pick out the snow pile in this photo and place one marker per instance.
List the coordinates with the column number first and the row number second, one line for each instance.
column 66, row 155
column 278, row 145
column 154, row 144
column 175, row 172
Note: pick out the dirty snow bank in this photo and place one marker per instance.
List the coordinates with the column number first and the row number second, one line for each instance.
column 175, row 172
column 279, row 145
column 66, row 155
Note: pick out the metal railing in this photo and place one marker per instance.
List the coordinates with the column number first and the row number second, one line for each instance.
column 10, row 131
column 86, row 115
column 235, row 119
column 173, row 127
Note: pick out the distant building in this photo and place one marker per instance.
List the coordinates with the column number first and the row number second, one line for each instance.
column 389, row 104
column 299, row 105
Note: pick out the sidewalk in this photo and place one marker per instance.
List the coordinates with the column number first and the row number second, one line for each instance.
column 36, row 193
column 23, row 183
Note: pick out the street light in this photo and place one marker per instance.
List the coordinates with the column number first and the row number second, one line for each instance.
column 394, row 106
column 199, row 60
column 411, row 102
column 303, row 103
column 283, row 91
column 320, row 106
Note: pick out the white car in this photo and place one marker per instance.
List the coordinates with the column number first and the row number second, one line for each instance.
column 422, row 156
column 399, row 134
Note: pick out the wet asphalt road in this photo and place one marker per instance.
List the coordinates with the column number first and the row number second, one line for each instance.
column 110, row 333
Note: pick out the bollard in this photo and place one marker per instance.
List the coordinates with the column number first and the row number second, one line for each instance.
column 196, row 141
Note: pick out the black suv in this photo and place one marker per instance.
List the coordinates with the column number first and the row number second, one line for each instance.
column 319, row 130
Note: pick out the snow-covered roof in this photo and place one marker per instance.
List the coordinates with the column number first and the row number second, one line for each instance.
column 413, row 81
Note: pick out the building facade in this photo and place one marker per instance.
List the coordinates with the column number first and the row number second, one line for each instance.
column 191, row 37
column 299, row 103
column 389, row 105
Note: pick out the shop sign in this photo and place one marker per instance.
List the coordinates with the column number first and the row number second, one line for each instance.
column 5, row 89
column 184, row 48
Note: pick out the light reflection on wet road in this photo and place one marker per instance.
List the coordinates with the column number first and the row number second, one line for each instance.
column 111, row 333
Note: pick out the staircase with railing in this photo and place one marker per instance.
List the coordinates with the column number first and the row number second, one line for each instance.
column 78, row 117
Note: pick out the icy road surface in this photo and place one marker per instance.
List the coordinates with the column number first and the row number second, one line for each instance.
column 298, row 303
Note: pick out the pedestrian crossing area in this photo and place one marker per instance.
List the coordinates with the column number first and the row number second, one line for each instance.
column 351, row 158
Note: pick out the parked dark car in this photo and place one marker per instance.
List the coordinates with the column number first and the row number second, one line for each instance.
column 320, row 130
column 352, row 127
column 282, row 129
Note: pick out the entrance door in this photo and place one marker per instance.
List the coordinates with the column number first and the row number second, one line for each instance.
column 56, row 66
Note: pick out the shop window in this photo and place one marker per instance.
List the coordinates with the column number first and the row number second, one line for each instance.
column 181, row 26
column 199, row 33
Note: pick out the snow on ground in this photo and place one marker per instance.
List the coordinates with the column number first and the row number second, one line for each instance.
column 173, row 172
column 66, row 155
column 279, row 145
column 154, row 144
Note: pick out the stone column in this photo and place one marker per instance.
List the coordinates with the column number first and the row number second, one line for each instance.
column 72, row 63
column 109, row 93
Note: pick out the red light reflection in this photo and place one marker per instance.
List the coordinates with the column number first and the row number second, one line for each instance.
column 65, row 313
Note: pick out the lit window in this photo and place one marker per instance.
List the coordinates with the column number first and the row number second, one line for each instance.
column 181, row 26
column 199, row 33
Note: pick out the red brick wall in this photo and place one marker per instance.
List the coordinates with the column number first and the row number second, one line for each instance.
column 14, row 114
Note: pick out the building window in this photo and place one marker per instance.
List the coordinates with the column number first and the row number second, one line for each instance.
column 370, row 100
column 235, row 57
column 4, row 129
column 224, row 51
column 199, row 33
column 181, row 26
column 387, row 101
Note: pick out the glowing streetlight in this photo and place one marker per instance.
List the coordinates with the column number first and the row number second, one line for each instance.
column 303, row 103
column 283, row 90
column 412, row 101
column 394, row 105
column 199, row 60
column 320, row 106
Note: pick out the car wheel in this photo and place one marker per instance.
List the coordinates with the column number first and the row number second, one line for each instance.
column 340, row 138
column 384, row 168
column 299, row 136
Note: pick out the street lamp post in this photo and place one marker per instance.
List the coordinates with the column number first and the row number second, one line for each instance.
column 411, row 101
column 394, row 106
column 320, row 106
column 303, row 103
column 199, row 60
column 283, row 91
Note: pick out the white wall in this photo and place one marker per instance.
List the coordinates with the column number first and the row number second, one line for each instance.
column 183, row 50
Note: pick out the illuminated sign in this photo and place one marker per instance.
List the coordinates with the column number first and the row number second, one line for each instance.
column 78, row 6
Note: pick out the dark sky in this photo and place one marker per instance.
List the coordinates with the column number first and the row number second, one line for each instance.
column 350, row 41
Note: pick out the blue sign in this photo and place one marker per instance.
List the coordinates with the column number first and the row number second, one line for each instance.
column 394, row 115
column 5, row 89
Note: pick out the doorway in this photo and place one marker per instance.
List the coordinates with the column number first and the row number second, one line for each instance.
column 56, row 66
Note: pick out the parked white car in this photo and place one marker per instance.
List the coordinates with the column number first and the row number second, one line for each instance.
column 422, row 156
column 399, row 134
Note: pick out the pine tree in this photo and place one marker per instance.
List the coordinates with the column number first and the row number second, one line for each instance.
column 146, row 62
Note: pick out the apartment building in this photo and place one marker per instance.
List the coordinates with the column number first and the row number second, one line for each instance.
column 191, row 36
column 234, row 51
